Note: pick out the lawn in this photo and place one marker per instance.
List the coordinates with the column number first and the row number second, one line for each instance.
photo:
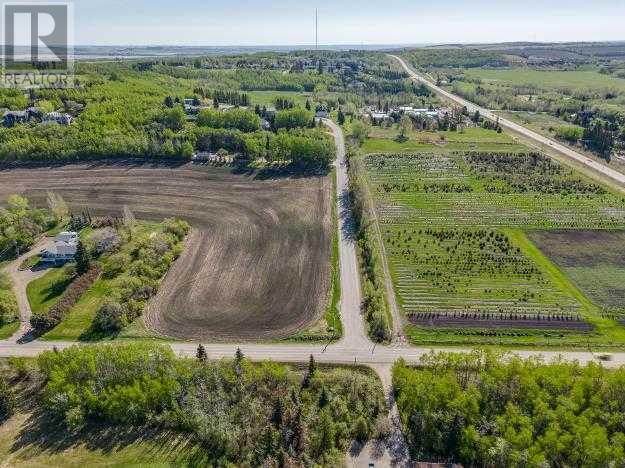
column 30, row 262
column 548, row 79
column 383, row 140
column 45, row 292
column 33, row 440
column 77, row 324
column 268, row 98
column 8, row 330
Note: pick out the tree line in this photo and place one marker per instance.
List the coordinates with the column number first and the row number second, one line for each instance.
column 236, row 412
column 485, row 409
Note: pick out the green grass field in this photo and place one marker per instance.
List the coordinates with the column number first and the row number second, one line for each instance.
column 593, row 260
column 6, row 331
column 554, row 79
column 382, row 140
column 268, row 98
column 30, row 439
column 453, row 227
column 45, row 292
column 78, row 321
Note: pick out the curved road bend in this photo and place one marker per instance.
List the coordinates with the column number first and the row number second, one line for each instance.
column 21, row 278
column 516, row 128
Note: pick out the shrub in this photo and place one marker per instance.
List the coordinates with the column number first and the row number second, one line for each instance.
column 176, row 227
column 110, row 317
column 116, row 265
column 8, row 307
column 570, row 134
column 361, row 429
column 23, row 367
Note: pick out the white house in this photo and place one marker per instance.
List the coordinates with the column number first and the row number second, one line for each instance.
column 377, row 117
column 63, row 250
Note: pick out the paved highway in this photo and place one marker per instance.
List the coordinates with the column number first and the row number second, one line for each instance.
column 519, row 129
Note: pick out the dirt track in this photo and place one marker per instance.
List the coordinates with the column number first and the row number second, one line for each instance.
column 256, row 265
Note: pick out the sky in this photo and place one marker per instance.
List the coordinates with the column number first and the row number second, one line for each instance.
column 282, row 22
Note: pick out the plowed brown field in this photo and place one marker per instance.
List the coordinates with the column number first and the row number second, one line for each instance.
column 256, row 265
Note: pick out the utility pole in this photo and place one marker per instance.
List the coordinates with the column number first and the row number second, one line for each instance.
column 316, row 29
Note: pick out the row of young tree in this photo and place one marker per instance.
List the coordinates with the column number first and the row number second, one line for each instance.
column 236, row 412
column 485, row 409
column 374, row 299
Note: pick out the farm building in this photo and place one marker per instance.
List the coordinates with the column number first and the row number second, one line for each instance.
column 63, row 250
column 377, row 117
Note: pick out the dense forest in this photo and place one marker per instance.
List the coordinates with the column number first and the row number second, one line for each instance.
column 238, row 413
column 174, row 108
column 133, row 111
column 482, row 409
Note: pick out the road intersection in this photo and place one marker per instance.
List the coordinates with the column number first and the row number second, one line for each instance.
column 354, row 348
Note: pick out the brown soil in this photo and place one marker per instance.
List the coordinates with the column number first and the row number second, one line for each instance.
column 451, row 322
column 256, row 265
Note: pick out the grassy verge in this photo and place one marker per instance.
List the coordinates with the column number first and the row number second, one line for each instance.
column 8, row 330
column 329, row 328
column 333, row 313
column 30, row 262
column 46, row 291
column 29, row 439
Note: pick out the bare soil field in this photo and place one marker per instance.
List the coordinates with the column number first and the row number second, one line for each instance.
column 593, row 259
column 257, row 264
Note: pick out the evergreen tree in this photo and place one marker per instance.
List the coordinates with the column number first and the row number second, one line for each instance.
column 169, row 102
column 83, row 259
column 308, row 105
column 238, row 362
column 278, row 414
column 310, row 374
column 312, row 366
column 341, row 117
column 324, row 398
column 201, row 353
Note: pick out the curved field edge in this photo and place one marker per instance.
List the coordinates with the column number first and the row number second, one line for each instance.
column 283, row 222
